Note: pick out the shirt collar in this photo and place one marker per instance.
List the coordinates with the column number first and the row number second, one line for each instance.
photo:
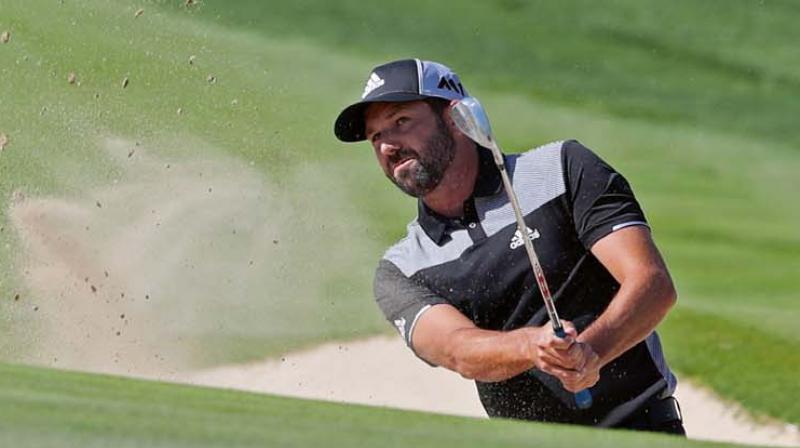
column 488, row 183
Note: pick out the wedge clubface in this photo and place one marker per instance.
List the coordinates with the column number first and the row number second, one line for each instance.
column 472, row 121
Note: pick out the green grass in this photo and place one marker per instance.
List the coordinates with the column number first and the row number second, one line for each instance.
column 693, row 102
column 732, row 343
column 707, row 65
column 48, row 408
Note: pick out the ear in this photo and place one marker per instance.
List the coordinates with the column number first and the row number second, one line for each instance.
column 454, row 131
column 448, row 117
column 450, row 110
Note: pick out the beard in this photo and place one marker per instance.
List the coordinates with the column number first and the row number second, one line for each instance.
column 431, row 164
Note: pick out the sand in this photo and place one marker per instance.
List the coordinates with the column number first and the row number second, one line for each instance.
column 381, row 371
column 178, row 250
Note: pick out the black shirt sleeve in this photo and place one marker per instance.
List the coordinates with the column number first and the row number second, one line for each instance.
column 601, row 199
column 401, row 299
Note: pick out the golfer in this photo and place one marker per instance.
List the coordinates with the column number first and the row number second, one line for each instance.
column 459, row 287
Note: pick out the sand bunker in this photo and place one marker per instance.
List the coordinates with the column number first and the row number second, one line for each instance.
column 381, row 371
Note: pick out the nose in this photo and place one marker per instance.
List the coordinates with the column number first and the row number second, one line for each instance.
column 388, row 148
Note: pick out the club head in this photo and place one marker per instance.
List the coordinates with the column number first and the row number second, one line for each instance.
column 472, row 121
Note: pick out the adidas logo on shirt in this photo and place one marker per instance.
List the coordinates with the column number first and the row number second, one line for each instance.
column 373, row 83
column 517, row 240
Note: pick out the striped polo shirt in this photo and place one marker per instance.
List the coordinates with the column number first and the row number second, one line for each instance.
column 570, row 199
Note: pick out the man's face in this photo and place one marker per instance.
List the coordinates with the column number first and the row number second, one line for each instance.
column 413, row 144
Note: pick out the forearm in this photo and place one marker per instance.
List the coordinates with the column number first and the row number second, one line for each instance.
column 640, row 304
column 489, row 356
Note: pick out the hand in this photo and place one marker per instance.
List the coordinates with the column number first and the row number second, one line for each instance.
column 584, row 377
column 574, row 363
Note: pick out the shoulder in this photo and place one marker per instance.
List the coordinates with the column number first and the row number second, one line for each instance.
column 416, row 251
column 404, row 252
column 557, row 161
column 574, row 152
column 537, row 174
column 543, row 153
column 555, row 153
column 543, row 161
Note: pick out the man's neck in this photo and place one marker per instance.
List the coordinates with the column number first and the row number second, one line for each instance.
column 458, row 183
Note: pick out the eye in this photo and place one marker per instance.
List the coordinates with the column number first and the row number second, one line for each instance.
column 402, row 120
column 375, row 137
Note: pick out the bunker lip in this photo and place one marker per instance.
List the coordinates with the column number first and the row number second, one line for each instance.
column 381, row 371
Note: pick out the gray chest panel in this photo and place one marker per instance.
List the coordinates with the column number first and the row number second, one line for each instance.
column 537, row 177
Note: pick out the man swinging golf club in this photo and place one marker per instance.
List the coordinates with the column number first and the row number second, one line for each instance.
column 500, row 242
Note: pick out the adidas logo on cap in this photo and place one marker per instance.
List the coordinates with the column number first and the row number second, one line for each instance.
column 373, row 83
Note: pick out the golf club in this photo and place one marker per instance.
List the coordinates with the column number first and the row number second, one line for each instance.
column 471, row 119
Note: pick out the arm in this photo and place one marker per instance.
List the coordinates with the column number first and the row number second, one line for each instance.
column 611, row 224
column 439, row 334
column 645, row 296
column 445, row 337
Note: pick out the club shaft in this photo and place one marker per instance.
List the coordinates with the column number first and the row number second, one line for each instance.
column 523, row 230
column 470, row 118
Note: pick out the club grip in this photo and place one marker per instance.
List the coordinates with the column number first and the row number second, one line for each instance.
column 583, row 398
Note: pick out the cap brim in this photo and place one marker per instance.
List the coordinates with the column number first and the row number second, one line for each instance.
column 350, row 124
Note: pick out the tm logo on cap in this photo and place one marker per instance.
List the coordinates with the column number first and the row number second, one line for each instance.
column 373, row 83
column 450, row 84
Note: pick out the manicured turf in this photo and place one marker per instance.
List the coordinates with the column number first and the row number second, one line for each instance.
column 47, row 408
column 731, row 344
column 695, row 103
column 729, row 65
